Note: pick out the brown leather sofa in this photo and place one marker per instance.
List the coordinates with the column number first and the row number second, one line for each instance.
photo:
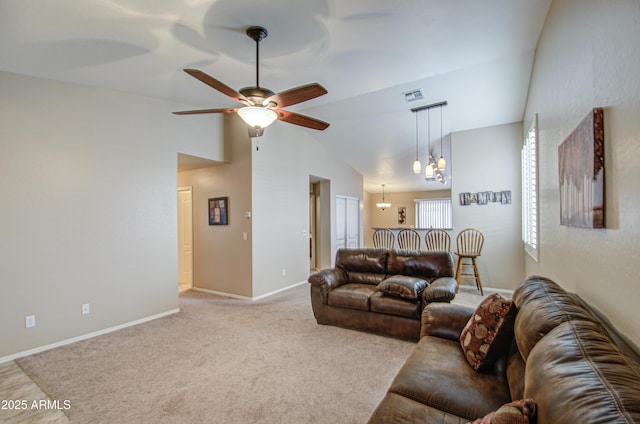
column 563, row 358
column 360, row 292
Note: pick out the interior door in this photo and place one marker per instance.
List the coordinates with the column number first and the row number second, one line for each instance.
column 353, row 223
column 347, row 222
column 185, row 238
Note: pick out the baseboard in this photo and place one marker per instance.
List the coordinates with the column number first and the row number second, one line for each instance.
column 87, row 336
column 236, row 296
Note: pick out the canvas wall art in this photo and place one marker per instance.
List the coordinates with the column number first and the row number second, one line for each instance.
column 581, row 172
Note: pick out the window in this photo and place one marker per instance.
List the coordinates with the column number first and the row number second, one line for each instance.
column 530, row 191
column 433, row 213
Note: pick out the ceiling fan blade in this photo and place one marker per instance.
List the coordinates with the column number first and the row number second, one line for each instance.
column 199, row 111
column 297, row 95
column 302, row 120
column 214, row 83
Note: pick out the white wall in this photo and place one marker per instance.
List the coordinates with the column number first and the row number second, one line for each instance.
column 287, row 156
column 88, row 182
column 488, row 159
column 589, row 56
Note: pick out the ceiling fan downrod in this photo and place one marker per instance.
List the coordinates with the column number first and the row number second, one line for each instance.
column 257, row 33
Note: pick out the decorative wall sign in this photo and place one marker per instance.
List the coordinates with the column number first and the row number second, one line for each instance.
column 218, row 210
column 402, row 214
column 485, row 197
column 581, row 171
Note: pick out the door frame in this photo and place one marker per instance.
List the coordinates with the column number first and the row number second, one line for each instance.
column 189, row 189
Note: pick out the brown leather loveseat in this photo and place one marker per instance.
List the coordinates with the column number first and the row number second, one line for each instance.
column 381, row 290
column 564, row 359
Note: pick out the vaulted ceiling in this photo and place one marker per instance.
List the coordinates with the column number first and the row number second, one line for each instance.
column 476, row 55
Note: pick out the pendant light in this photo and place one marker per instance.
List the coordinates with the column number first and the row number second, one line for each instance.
column 428, row 170
column 417, row 166
column 442, row 164
column 383, row 205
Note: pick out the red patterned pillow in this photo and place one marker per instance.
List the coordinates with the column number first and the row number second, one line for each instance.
column 521, row 411
column 489, row 332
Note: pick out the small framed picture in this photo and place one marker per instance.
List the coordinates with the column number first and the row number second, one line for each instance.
column 218, row 210
column 402, row 214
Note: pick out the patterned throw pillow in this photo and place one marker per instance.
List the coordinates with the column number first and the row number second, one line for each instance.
column 489, row 332
column 521, row 411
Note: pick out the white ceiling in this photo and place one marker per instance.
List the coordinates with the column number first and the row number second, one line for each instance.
column 477, row 55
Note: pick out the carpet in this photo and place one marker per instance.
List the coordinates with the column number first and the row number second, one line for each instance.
column 224, row 360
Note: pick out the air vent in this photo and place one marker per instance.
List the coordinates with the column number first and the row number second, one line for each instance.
column 413, row 95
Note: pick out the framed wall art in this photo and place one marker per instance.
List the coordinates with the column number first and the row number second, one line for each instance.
column 581, row 172
column 218, row 211
column 402, row 214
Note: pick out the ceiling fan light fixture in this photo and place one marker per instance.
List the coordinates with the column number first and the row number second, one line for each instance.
column 257, row 117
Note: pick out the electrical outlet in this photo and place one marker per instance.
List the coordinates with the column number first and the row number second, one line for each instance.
column 30, row 321
column 85, row 309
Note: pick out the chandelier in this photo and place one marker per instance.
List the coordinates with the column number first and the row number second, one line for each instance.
column 433, row 171
column 383, row 205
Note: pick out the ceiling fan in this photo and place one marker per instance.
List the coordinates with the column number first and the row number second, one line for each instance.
column 261, row 105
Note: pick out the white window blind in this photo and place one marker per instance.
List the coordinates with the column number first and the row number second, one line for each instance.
column 530, row 191
column 433, row 213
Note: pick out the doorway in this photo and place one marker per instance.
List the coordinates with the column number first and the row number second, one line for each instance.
column 185, row 239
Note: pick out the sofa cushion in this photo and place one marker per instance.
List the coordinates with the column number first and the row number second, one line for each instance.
column 399, row 409
column 576, row 374
column 521, row 411
column 419, row 263
column 441, row 289
column 402, row 286
column 381, row 303
column 365, row 265
column 437, row 374
column 352, row 295
column 489, row 332
column 542, row 305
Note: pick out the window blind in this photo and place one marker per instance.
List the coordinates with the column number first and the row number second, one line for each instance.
column 433, row 213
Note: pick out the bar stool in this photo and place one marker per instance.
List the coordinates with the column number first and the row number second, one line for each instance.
column 383, row 237
column 437, row 239
column 469, row 246
column 409, row 239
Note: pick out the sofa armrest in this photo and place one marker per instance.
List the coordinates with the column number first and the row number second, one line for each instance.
column 441, row 289
column 446, row 320
column 330, row 277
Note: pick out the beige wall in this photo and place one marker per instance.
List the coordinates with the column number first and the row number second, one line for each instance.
column 588, row 56
column 488, row 159
column 222, row 257
column 89, row 209
column 389, row 217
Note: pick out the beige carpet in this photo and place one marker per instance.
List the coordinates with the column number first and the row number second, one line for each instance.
column 225, row 361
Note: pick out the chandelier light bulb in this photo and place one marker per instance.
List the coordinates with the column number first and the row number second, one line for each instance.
column 428, row 170
column 417, row 167
column 442, row 163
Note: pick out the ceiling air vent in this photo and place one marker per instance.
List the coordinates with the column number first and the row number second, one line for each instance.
column 413, row 95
